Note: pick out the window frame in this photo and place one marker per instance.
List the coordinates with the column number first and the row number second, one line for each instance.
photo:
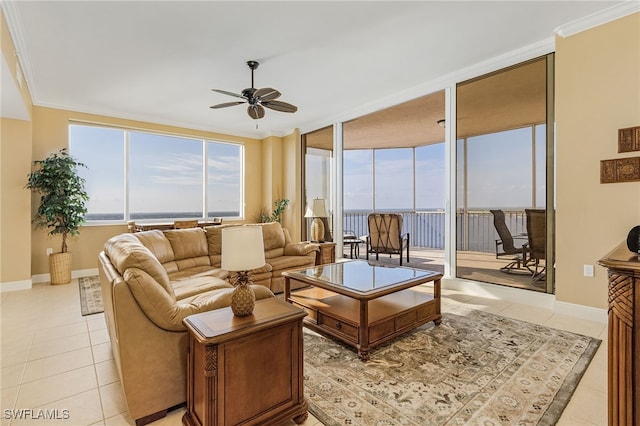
column 205, row 143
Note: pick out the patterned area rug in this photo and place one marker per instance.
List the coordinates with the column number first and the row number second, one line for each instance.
column 90, row 295
column 475, row 368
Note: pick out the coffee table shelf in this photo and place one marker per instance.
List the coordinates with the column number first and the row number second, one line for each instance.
column 362, row 315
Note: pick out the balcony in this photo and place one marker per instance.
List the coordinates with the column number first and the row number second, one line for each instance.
column 476, row 243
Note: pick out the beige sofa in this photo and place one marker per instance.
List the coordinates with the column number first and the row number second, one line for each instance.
column 152, row 280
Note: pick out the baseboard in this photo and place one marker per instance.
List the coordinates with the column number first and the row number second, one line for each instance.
column 581, row 311
column 45, row 278
column 16, row 285
column 526, row 297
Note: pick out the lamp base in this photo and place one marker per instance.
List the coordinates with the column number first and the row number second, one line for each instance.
column 243, row 299
column 317, row 230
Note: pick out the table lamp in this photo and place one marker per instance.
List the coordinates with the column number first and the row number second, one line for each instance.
column 242, row 250
column 316, row 209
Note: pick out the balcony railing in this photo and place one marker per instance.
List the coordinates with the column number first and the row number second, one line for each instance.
column 427, row 228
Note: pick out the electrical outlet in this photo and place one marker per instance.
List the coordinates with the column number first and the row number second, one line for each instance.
column 588, row 270
column 49, row 251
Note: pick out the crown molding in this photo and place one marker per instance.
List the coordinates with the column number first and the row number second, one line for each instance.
column 599, row 18
column 11, row 16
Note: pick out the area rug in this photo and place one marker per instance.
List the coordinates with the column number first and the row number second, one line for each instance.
column 475, row 368
column 90, row 295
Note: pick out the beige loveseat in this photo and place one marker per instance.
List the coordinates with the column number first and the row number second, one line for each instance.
column 151, row 281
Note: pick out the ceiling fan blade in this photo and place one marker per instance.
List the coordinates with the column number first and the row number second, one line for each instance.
column 255, row 111
column 266, row 94
column 280, row 106
column 227, row 104
column 224, row 92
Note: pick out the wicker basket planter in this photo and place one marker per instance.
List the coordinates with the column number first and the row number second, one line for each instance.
column 60, row 268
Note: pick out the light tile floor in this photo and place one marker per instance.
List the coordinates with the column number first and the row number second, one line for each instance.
column 54, row 358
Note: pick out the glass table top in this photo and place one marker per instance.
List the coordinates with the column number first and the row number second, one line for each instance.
column 359, row 275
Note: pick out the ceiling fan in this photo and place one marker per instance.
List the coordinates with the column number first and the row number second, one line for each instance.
column 257, row 98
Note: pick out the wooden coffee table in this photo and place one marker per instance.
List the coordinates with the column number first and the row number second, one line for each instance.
column 364, row 305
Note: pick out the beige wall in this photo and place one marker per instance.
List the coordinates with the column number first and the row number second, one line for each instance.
column 50, row 133
column 15, row 205
column 15, row 164
column 597, row 93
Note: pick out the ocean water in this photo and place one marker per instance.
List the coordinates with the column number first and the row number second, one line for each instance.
column 426, row 228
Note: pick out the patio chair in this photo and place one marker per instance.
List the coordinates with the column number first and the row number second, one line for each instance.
column 537, row 234
column 385, row 235
column 505, row 247
column 349, row 238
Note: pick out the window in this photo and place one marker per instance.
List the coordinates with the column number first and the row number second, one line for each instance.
column 224, row 182
column 430, row 177
column 358, row 180
column 102, row 150
column 165, row 176
column 394, row 179
column 140, row 175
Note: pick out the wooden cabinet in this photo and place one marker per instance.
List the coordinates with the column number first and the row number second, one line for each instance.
column 246, row 370
column 624, row 336
column 327, row 253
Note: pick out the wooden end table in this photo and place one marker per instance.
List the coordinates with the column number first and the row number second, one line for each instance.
column 362, row 304
column 246, row 370
column 327, row 253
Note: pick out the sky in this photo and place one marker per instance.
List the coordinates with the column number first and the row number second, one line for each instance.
column 166, row 173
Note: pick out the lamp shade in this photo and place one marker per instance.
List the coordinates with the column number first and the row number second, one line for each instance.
column 242, row 248
column 316, row 208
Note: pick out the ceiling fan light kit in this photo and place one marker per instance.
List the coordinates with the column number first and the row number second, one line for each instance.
column 257, row 99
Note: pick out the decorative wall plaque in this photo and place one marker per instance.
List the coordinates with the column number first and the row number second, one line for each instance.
column 620, row 170
column 629, row 139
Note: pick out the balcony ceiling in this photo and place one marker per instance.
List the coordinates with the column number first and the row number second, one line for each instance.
column 157, row 61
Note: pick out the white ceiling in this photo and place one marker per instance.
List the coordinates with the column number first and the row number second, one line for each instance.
column 156, row 61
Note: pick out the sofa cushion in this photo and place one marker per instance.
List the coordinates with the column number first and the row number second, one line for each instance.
column 273, row 236
column 126, row 252
column 189, row 248
column 168, row 314
column 214, row 238
column 197, row 284
column 198, row 271
column 159, row 245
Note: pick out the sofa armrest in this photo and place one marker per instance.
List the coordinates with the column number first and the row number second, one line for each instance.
column 300, row 249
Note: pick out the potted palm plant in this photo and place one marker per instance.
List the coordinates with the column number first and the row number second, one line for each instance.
column 62, row 208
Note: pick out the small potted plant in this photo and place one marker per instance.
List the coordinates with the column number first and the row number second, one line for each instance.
column 280, row 205
column 62, row 208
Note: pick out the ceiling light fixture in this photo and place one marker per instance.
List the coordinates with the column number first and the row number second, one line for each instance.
column 256, row 98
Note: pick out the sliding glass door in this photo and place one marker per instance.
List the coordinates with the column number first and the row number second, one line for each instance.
column 503, row 160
